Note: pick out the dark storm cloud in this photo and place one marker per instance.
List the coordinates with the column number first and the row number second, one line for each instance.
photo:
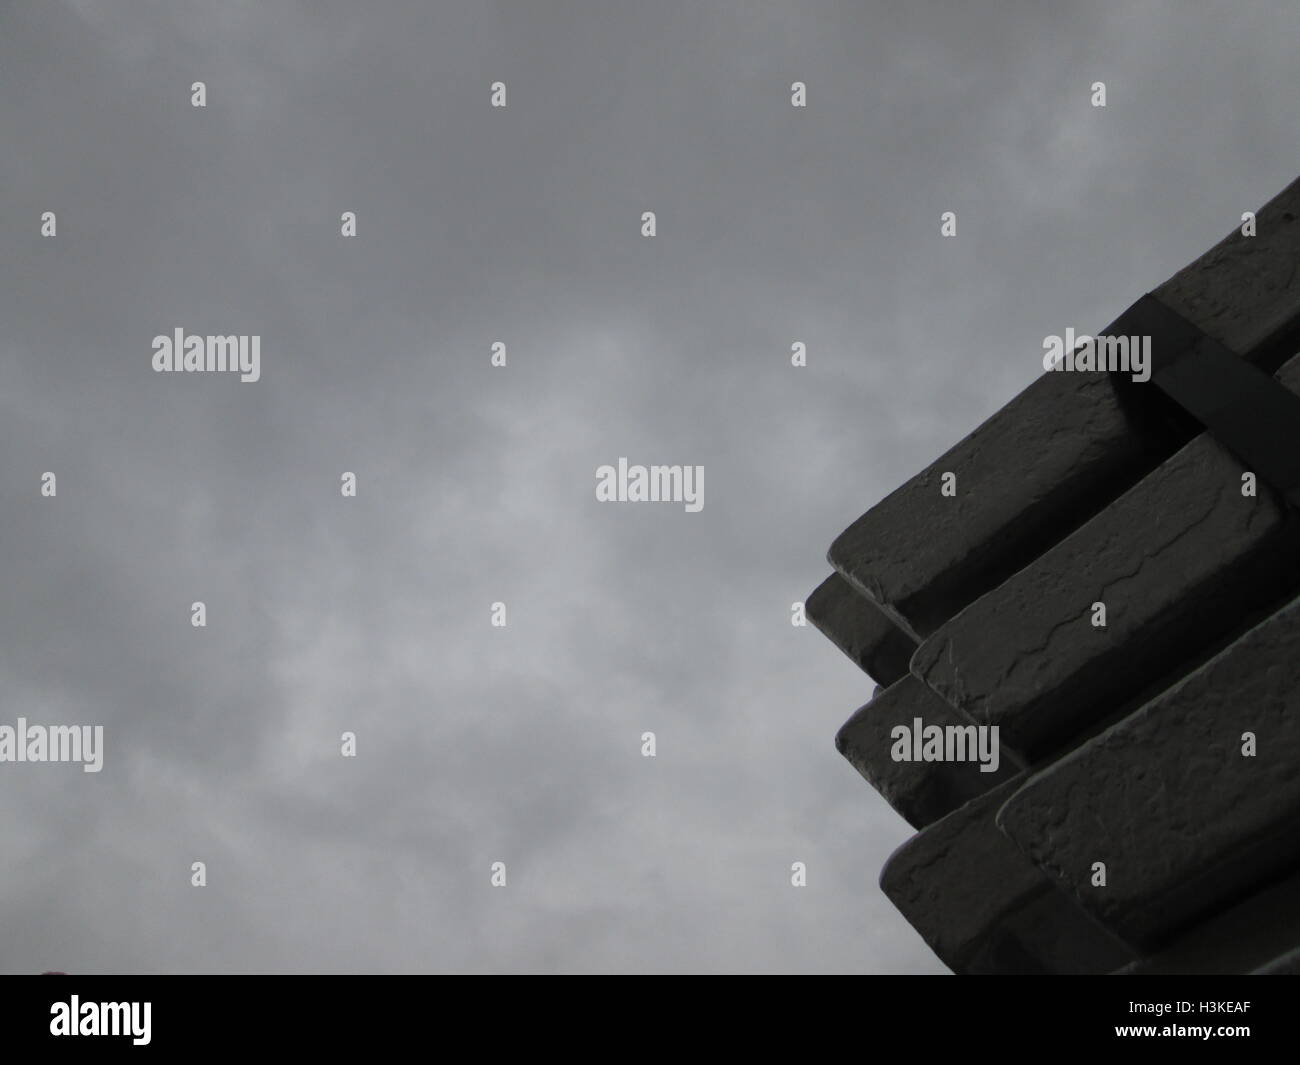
column 476, row 484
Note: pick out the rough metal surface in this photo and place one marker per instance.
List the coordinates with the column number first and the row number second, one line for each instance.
column 860, row 629
column 1243, row 938
column 1120, row 744
column 1038, row 466
column 984, row 908
column 1176, row 560
column 922, row 792
column 1166, row 799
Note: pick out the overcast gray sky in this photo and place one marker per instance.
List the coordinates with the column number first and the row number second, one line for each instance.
column 476, row 484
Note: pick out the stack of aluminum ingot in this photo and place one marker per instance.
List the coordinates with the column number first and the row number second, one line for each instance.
column 1145, row 812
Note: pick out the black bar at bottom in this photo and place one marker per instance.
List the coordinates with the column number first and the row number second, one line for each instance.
column 375, row 1017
